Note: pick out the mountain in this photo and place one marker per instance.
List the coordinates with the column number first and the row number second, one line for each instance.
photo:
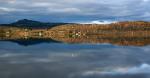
column 32, row 24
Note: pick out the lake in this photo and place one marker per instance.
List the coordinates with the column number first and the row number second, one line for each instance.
column 64, row 60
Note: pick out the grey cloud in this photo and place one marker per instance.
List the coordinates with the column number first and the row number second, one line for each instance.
column 66, row 9
column 142, row 69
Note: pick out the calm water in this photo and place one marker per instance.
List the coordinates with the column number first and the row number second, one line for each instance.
column 61, row 60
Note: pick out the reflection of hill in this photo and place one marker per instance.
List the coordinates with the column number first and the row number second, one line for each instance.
column 33, row 41
column 122, row 33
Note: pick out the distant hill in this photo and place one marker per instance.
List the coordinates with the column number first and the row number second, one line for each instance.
column 25, row 23
column 32, row 24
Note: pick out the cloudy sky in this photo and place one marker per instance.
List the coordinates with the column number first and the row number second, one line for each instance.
column 74, row 10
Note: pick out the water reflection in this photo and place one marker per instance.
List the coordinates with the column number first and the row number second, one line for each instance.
column 115, row 41
column 100, row 54
column 59, row 60
column 76, row 34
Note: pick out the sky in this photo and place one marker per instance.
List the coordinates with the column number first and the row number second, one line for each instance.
column 74, row 10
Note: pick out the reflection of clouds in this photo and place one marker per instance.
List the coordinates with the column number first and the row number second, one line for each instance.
column 64, row 54
column 146, row 48
column 42, row 60
column 12, row 55
column 97, row 54
column 31, row 60
column 75, row 61
column 26, row 58
column 142, row 69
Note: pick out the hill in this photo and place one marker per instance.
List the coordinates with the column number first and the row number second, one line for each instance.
column 136, row 33
column 25, row 23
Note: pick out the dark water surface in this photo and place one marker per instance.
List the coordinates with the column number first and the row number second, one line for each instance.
column 62, row 60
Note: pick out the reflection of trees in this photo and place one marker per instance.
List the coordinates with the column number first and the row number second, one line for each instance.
column 122, row 33
column 2, row 33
